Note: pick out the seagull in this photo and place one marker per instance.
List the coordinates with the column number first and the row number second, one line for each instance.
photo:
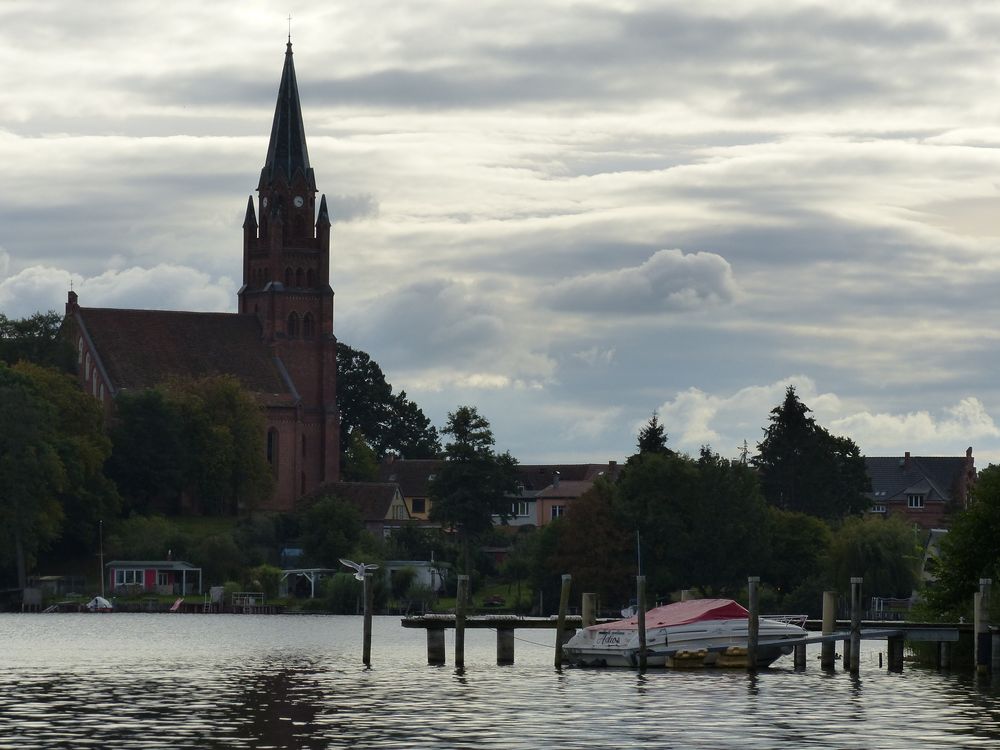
column 359, row 568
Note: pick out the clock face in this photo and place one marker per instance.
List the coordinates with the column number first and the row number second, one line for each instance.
column 298, row 201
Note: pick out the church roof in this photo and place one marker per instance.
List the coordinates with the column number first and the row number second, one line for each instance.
column 286, row 152
column 142, row 348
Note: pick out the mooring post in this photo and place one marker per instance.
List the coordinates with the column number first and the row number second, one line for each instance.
column 856, row 623
column 588, row 610
column 640, row 585
column 944, row 651
column 981, row 626
column 753, row 624
column 461, row 600
column 567, row 581
column 505, row 646
column 799, row 657
column 828, row 649
column 369, row 591
column 435, row 646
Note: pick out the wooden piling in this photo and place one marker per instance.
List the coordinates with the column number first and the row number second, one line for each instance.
column 588, row 610
column 567, row 581
column 981, row 626
column 369, row 592
column 944, row 655
column 640, row 585
column 461, row 601
column 435, row 646
column 753, row 624
column 799, row 657
column 505, row 646
column 855, row 660
column 828, row 649
column 895, row 649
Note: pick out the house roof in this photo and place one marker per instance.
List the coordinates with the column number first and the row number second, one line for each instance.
column 158, row 564
column 412, row 474
column 372, row 499
column 565, row 490
column 934, row 476
column 140, row 349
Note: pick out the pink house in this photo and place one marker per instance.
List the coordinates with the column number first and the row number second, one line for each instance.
column 153, row 576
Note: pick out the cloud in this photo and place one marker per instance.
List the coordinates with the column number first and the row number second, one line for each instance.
column 669, row 281
column 162, row 287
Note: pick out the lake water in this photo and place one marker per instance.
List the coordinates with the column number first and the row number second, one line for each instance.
column 232, row 681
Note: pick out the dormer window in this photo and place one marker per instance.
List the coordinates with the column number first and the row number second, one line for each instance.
column 915, row 501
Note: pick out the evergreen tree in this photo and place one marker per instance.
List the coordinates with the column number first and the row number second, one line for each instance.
column 474, row 483
column 653, row 438
column 806, row 469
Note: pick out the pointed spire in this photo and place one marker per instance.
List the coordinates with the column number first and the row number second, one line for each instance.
column 324, row 215
column 251, row 218
column 286, row 152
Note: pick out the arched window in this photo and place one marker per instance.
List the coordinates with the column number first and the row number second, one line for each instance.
column 288, row 276
column 86, row 367
column 298, row 277
column 100, row 391
column 308, row 326
column 292, row 330
column 310, row 278
column 93, row 382
column 79, row 350
column 272, row 449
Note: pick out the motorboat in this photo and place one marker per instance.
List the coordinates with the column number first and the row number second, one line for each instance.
column 712, row 626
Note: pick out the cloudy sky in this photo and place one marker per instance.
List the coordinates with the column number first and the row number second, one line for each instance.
column 568, row 214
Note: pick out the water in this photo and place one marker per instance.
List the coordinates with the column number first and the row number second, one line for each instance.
column 229, row 681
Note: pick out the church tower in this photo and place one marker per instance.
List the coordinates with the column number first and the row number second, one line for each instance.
column 286, row 285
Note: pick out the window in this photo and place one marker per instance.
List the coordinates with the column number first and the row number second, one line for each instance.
column 162, row 578
column 310, row 278
column 288, row 276
column 272, row 447
column 299, row 274
column 86, row 368
column 100, row 391
column 914, row 501
column 303, row 446
column 519, row 509
column 79, row 350
column 878, row 508
column 558, row 511
column 128, row 576
column 419, row 505
column 399, row 512
column 293, row 326
column 308, row 326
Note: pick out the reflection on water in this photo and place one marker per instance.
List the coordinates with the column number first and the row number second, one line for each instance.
column 219, row 681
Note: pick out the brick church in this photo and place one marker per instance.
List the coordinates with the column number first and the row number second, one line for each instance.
column 280, row 344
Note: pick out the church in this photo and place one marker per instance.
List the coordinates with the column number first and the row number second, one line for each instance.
column 280, row 344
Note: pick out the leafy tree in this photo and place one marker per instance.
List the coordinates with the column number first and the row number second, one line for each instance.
column 594, row 547
column 389, row 422
column 804, row 468
column 883, row 551
column 330, row 529
column 83, row 447
column 800, row 546
column 969, row 551
column 474, row 483
column 31, row 472
column 360, row 463
column 36, row 339
column 146, row 538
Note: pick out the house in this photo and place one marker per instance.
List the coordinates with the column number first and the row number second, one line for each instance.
column 279, row 345
column 547, row 491
column 380, row 504
column 924, row 490
column 413, row 476
column 153, row 576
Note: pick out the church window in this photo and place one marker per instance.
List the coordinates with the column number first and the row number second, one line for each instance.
column 79, row 350
column 303, row 446
column 310, row 278
column 93, row 384
column 293, row 326
column 308, row 326
column 298, row 277
column 272, row 449
column 288, row 276
column 100, row 391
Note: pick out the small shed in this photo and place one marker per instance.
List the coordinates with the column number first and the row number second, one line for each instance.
column 153, row 576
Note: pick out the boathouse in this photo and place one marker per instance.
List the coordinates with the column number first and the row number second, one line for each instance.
column 153, row 576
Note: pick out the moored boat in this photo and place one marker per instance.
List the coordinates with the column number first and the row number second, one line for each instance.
column 709, row 625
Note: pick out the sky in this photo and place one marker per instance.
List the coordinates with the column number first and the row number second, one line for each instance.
column 570, row 215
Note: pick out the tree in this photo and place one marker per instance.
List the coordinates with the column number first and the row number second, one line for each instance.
column 799, row 546
column 804, row 468
column 359, row 464
column 80, row 440
column 969, row 551
column 884, row 551
column 330, row 529
column 31, row 472
column 653, row 438
column 474, row 483
column 389, row 422
column 36, row 339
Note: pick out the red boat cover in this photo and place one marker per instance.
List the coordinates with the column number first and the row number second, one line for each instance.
column 681, row 613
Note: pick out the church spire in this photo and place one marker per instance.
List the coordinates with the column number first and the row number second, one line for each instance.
column 287, row 155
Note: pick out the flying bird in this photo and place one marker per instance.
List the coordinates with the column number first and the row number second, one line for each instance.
column 359, row 568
